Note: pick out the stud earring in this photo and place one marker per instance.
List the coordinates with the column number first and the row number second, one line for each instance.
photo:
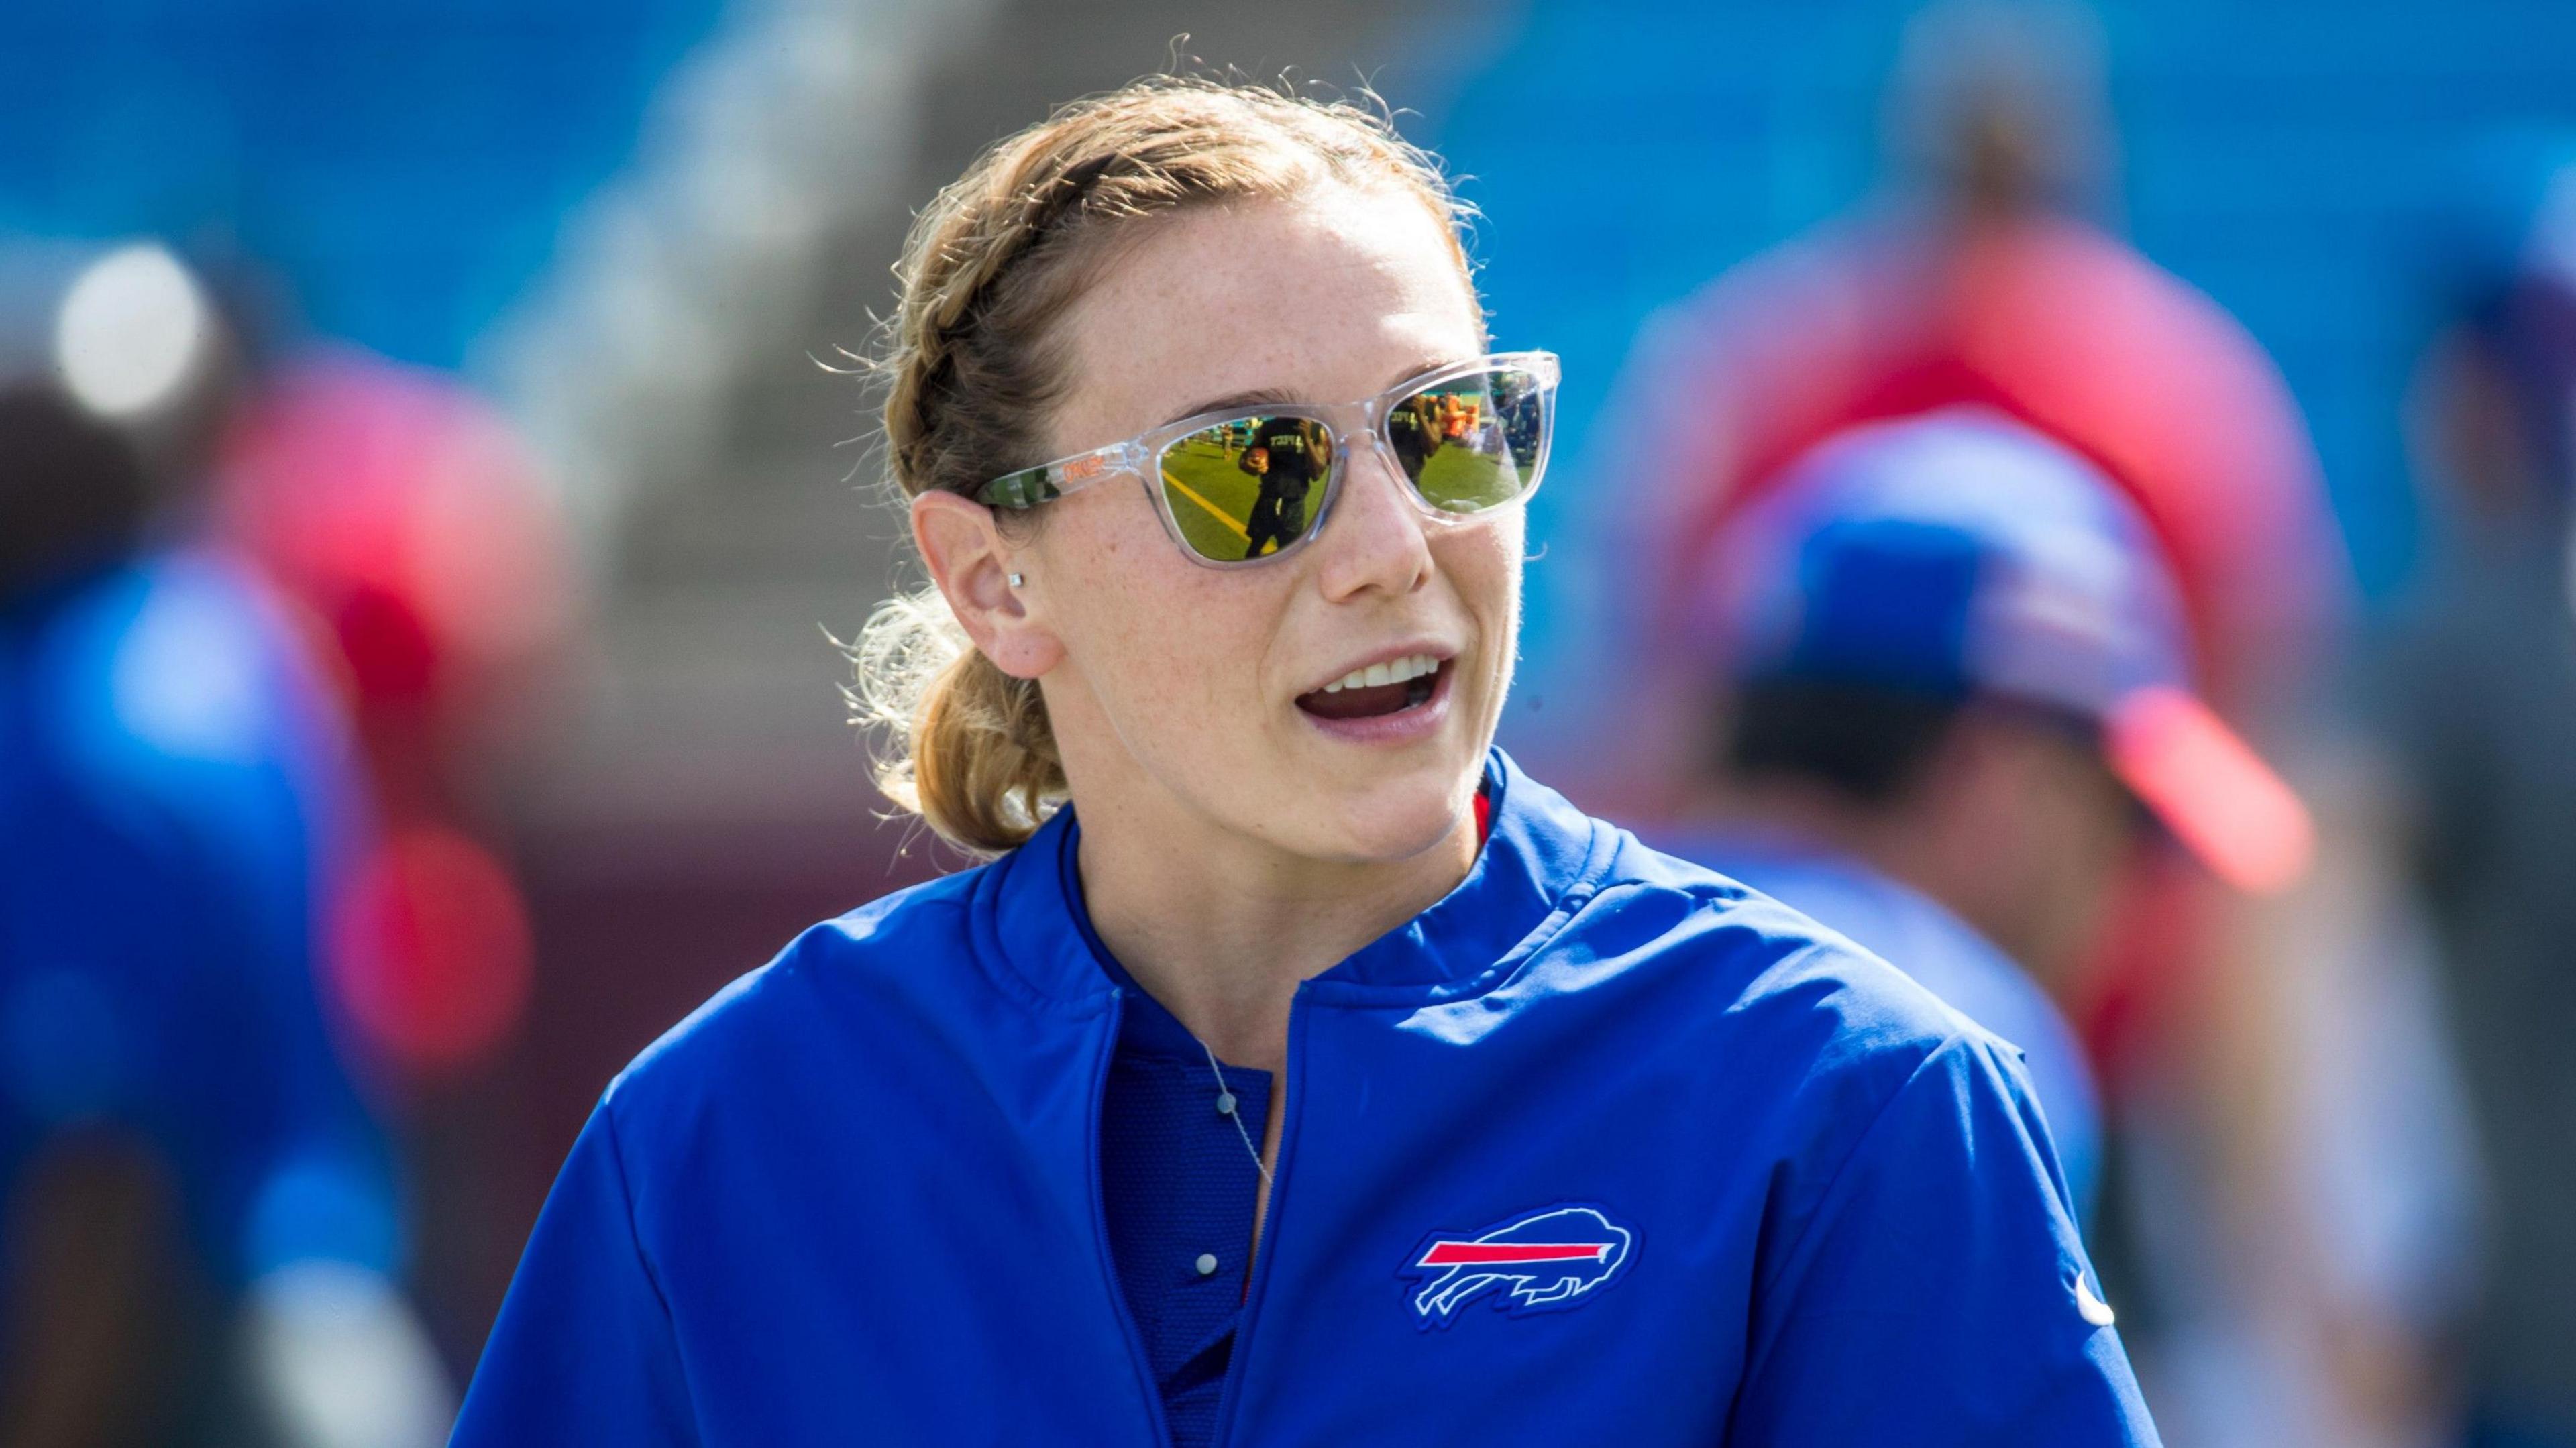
column 1018, row 579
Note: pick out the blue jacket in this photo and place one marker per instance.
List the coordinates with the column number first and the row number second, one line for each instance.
column 1601, row 1148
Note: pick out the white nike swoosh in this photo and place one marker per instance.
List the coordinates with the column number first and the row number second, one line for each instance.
column 2091, row 1308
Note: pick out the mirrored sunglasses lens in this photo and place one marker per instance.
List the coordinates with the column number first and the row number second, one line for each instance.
column 1247, row 488
column 1473, row 443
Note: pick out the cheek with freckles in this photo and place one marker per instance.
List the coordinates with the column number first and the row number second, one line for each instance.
column 1173, row 653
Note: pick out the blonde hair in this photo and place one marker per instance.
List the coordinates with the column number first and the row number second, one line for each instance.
column 972, row 365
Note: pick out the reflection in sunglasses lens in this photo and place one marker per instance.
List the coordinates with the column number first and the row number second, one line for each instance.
column 1252, row 486
column 1247, row 487
column 1469, row 445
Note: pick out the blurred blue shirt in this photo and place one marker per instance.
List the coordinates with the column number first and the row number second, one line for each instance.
column 175, row 800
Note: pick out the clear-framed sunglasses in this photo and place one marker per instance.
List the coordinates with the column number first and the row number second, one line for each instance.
column 1246, row 485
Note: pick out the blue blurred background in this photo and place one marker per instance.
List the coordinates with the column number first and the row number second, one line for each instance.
column 403, row 167
column 406, row 169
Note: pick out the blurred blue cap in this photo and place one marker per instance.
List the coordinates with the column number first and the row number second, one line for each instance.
column 1958, row 554
column 1952, row 554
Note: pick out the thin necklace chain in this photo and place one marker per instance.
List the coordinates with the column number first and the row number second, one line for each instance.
column 1235, row 1115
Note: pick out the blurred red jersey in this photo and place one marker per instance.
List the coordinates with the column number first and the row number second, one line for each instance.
column 2054, row 323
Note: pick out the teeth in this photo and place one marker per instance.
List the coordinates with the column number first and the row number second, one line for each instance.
column 1394, row 671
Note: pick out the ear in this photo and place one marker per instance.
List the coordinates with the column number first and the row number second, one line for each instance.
column 972, row 562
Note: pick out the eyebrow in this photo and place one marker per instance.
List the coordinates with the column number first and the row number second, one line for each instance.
column 1276, row 397
column 1257, row 397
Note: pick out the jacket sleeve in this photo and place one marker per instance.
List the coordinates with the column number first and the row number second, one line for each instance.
column 1937, row 1292
column 584, row 1350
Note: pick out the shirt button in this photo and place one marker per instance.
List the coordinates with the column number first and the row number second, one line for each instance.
column 1207, row 1264
column 1225, row 1103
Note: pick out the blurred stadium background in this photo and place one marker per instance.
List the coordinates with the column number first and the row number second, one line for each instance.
column 619, row 248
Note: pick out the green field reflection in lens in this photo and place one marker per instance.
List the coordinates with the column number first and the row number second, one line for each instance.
column 1469, row 444
column 1247, row 487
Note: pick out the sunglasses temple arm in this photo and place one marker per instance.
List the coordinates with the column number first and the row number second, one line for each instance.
column 1047, row 482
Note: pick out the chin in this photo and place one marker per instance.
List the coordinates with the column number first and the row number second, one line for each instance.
column 1392, row 820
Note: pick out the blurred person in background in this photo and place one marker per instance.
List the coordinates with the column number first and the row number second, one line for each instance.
column 1983, row 276
column 2477, row 696
column 1957, row 680
column 407, row 525
column 203, row 1237
column 2281, row 1201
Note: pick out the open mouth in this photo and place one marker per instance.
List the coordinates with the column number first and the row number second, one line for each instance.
column 1378, row 690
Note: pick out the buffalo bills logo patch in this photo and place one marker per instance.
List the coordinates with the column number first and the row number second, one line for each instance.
column 1542, row 1261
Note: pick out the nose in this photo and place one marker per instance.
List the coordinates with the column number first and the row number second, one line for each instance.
column 1375, row 540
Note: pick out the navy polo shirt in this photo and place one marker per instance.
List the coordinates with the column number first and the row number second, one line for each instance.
column 1179, row 1187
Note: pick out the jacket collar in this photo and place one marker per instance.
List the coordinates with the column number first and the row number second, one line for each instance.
column 1541, row 860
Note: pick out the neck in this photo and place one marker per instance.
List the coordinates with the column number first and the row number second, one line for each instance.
column 1221, row 927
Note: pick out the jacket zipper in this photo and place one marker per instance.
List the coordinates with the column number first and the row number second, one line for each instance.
column 1297, row 1080
column 1100, row 1232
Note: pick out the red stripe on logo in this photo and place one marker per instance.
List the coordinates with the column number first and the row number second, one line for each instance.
column 1482, row 1254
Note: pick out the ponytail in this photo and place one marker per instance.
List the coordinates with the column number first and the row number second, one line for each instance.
column 971, row 751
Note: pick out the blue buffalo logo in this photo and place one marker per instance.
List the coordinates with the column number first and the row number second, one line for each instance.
column 1542, row 1261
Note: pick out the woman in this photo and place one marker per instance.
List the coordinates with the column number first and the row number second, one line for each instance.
column 1300, row 1072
